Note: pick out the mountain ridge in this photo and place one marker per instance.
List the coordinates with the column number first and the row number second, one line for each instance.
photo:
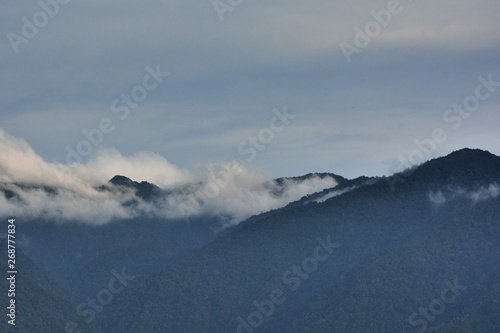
column 396, row 249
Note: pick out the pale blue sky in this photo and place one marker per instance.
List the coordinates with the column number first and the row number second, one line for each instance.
column 227, row 76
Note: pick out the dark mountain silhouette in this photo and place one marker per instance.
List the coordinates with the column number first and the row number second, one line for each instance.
column 144, row 190
column 412, row 252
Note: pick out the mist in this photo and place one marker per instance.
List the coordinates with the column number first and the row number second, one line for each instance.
column 34, row 188
column 483, row 193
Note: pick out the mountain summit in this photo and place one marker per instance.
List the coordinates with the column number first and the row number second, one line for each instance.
column 356, row 256
column 465, row 167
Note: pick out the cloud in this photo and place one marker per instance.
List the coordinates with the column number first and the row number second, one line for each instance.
column 437, row 198
column 36, row 189
column 20, row 163
column 233, row 196
column 250, row 193
column 143, row 166
column 481, row 194
column 491, row 192
column 65, row 206
column 333, row 194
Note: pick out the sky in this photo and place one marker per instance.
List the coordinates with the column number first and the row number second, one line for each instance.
column 289, row 87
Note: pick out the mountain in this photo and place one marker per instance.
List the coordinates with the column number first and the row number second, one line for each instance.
column 143, row 190
column 398, row 250
column 43, row 305
column 417, row 251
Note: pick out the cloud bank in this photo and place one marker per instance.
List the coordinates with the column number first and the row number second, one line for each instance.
column 35, row 189
column 242, row 195
column 480, row 194
column 334, row 193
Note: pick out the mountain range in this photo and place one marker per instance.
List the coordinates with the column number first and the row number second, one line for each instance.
column 417, row 251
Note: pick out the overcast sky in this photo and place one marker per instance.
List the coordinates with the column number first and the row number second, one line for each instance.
column 230, row 67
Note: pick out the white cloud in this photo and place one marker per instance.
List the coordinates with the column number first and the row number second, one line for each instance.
column 437, row 198
column 65, row 206
column 491, row 192
column 20, row 163
column 481, row 194
column 143, row 166
column 227, row 190
column 234, row 197
column 333, row 194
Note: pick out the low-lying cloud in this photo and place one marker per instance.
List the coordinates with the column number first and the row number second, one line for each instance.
column 481, row 194
column 490, row 192
column 334, row 193
column 35, row 189
column 243, row 195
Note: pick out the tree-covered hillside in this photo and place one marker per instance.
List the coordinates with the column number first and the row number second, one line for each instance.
column 410, row 253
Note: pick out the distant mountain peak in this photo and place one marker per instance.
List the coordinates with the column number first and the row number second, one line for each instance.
column 121, row 180
column 469, row 153
column 469, row 168
column 320, row 175
column 472, row 157
column 143, row 189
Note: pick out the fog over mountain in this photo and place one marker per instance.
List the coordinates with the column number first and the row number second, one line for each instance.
column 255, row 166
column 413, row 252
column 83, row 193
